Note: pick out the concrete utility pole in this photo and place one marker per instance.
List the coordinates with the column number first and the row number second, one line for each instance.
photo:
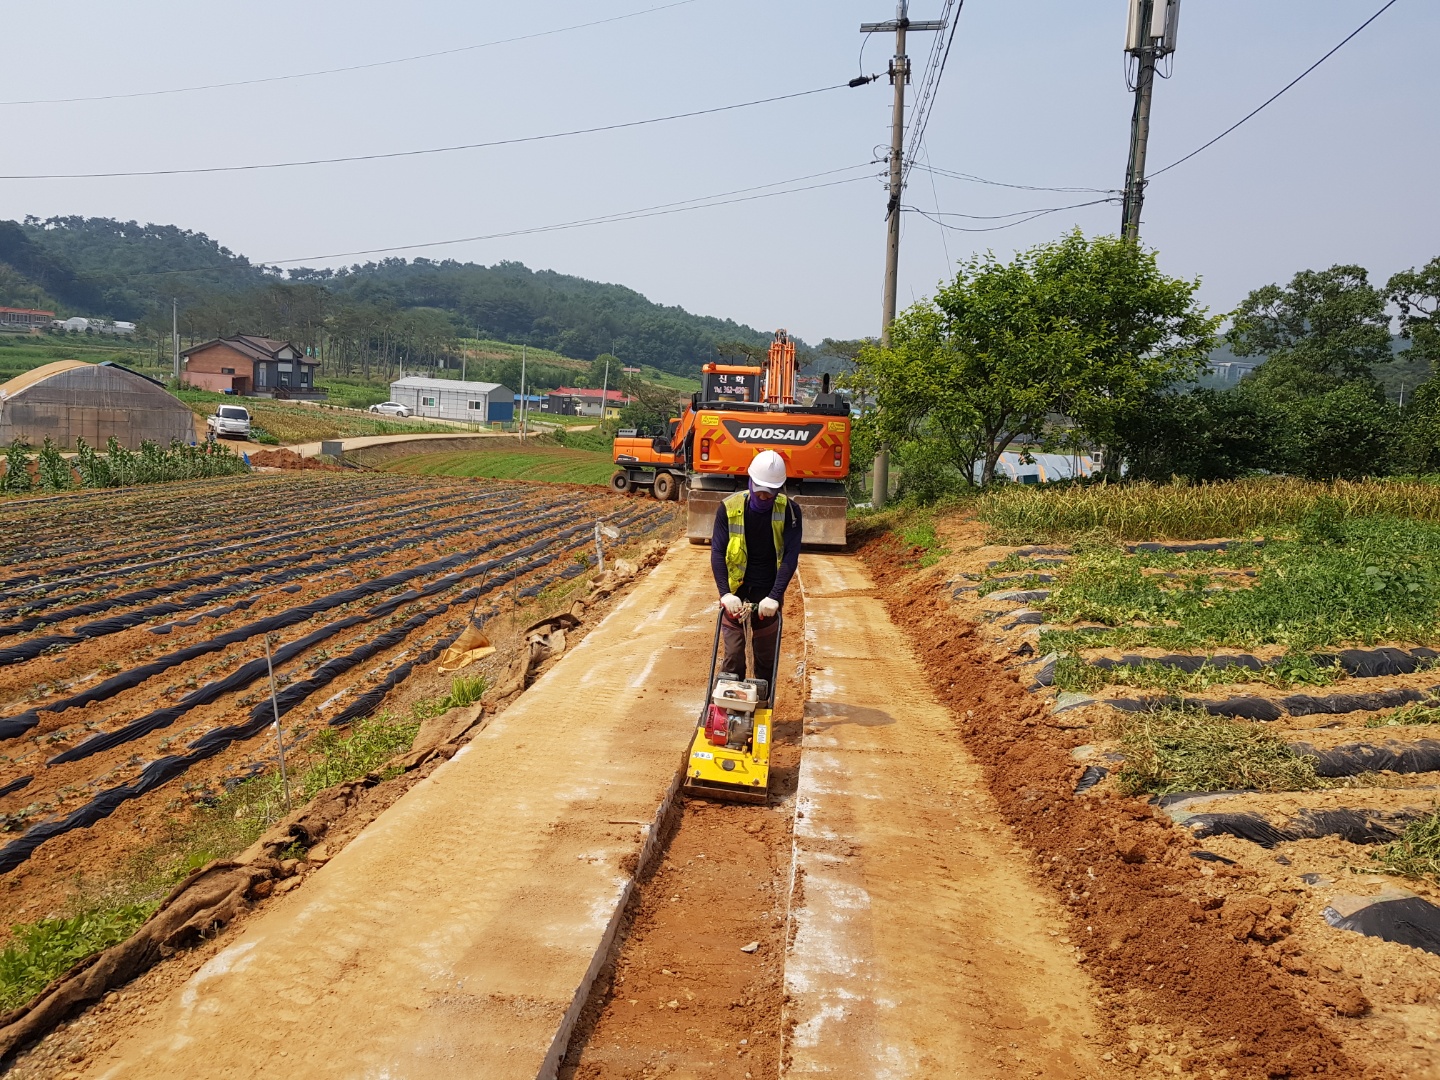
column 899, row 76
column 175, row 333
column 605, row 395
column 1149, row 35
column 523, row 410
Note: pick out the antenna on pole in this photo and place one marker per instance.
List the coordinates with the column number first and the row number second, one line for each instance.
column 1149, row 36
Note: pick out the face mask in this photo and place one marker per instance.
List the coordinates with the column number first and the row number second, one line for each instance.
column 757, row 502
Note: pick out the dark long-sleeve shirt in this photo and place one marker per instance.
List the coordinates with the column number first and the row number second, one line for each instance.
column 762, row 578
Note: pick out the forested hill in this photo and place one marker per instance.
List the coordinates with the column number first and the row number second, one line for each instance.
column 123, row 270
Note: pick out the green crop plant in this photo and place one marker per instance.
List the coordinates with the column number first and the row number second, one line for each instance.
column 1187, row 749
column 17, row 479
column 1416, row 713
column 1380, row 583
column 1133, row 512
column 54, row 470
column 41, row 951
column 1416, row 854
column 1288, row 671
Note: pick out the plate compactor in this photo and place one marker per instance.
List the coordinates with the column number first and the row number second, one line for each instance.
column 730, row 754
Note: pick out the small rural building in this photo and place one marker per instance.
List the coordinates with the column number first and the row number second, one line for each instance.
column 450, row 399
column 577, row 401
column 19, row 318
column 251, row 367
column 71, row 399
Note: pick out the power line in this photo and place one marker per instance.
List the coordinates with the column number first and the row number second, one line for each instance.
column 971, row 178
column 702, row 202
column 930, row 81
column 1033, row 214
column 429, row 150
column 1354, row 33
column 352, row 67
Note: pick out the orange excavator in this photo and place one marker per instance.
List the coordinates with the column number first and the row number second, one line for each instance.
column 740, row 411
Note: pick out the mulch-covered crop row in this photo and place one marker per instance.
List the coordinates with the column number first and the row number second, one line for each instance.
column 149, row 679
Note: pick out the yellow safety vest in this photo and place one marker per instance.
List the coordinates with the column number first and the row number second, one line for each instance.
column 735, row 554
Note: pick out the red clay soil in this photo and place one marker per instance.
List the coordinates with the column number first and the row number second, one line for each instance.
column 288, row 459
column 1183, row 945
column 681, row 998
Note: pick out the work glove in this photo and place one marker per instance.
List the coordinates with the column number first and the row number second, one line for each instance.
column 768, row 607
column 732, row 604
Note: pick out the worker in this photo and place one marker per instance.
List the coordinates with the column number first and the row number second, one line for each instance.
column 754, row 550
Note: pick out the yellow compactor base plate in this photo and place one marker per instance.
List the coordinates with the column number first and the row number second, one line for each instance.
column 747, row 777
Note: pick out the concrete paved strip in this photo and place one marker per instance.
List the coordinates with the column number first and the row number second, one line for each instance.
column 919, row 947
column 440, row 438
column 458, row 935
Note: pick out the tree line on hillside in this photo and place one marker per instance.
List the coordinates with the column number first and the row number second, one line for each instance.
column 358, row 319
column 1086, row 344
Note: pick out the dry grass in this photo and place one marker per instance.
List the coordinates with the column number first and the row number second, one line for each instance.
column 1136, row 512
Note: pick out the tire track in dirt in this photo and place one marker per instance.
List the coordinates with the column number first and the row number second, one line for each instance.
column 1180, row 947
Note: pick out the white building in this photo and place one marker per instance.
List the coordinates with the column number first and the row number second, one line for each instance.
column 449, row 399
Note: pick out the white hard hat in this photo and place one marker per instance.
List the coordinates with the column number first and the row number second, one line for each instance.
column 768, row 470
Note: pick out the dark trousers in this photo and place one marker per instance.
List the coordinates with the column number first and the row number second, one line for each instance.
column 764, row 639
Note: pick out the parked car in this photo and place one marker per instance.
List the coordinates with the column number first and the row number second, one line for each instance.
column 391, row 408
column 229, row 420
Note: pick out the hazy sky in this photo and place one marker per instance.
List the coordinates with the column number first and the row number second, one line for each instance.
column 1341, row 169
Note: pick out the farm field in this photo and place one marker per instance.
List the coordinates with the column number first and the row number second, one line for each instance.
column 556, row 464
column 132, row 646
column 300, row 422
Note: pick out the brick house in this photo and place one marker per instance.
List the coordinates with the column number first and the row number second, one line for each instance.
column 251, row 367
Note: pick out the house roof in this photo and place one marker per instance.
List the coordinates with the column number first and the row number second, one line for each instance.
column 580, row 392
column 419, row 382
column 24, row 311
column 257, row 348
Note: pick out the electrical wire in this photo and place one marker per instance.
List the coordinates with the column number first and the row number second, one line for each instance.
column 348, row 68
column 701, row 202
column 1268, row 101
column 1033, row 214
column 427, row 151
column 930, row 82
column 971, row 178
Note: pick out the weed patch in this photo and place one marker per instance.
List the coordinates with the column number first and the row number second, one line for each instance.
column 1420, row 712
column 1416, row 854
column 1183, row 749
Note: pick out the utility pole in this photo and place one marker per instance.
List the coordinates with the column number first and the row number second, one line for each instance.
column 523, row 347
column 899, row 76
column 605, row 395
column 175, row 333
column 1150, row 35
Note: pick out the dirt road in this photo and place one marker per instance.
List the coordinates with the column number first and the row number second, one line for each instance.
column 919, row 946
column 455, row 937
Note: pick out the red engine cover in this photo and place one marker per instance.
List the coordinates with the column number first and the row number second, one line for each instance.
column 717, row 726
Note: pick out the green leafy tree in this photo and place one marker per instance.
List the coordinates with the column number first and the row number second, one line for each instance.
column 1417, row 294
column 1326, row 328
column 1203, row 435
column 1088, row 328
column 650, row 408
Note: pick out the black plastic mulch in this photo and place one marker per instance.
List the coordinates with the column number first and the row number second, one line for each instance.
column 1358, row 826
column 1406, row 921
column 1352, row 759
column 165, row 769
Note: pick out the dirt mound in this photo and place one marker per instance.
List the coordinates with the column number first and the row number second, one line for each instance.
column 288, row 459
column 1186, row 946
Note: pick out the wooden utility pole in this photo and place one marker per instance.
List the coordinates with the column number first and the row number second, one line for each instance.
column 899, row 76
